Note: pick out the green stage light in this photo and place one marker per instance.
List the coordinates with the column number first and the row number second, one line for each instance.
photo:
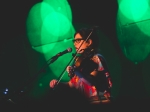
column 136, row 10
column 133, row 9
column 55, row 27
column 145, row 26
column 49, row 22
column 50, row 31
column 133, row 28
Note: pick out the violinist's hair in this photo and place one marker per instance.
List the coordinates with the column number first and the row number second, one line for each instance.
column 93, row 32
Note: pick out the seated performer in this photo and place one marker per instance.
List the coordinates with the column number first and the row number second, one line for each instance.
column 89, row 74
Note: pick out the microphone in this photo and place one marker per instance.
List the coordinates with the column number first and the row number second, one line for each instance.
column 60, row 54
column 64, row 52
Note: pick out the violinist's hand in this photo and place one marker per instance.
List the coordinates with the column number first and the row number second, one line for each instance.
column 70, row 71
column 52, row 83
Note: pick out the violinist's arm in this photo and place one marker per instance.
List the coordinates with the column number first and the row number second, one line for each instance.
column 60, row 85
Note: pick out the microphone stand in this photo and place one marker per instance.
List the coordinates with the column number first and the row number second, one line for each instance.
column 19, row 90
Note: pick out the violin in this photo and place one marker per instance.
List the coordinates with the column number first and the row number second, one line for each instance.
column 84, row 63
column 80, row 58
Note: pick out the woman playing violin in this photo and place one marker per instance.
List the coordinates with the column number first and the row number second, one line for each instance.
column 89, row 74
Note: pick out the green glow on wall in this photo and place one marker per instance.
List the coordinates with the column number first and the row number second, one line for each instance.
column 145, row 27
column 136, row 10
column 133, row 28
column 50, row 30
column 48, row 23
column 133, row 9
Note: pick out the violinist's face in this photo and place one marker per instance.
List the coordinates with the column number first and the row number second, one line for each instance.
column 81, row 44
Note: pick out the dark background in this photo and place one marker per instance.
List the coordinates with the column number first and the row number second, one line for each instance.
column 14, row 44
